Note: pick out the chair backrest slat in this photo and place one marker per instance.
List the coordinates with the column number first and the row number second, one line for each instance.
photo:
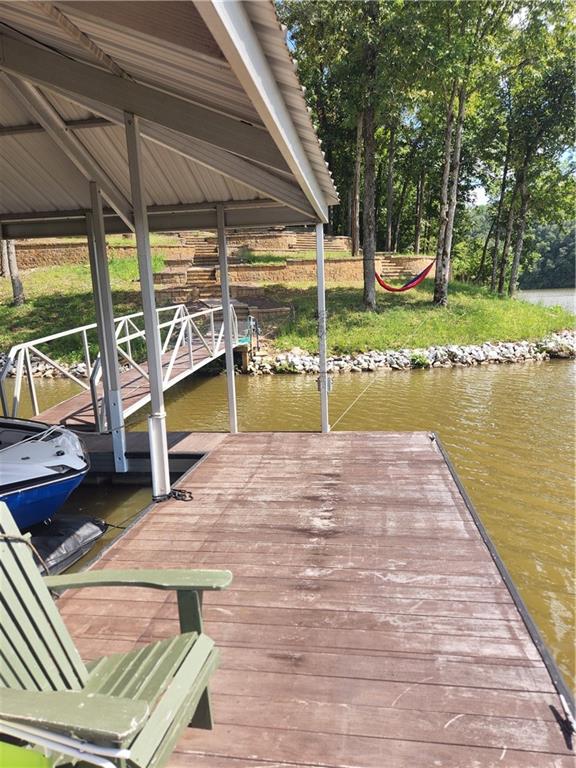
column 35, row 629
column 13, row 673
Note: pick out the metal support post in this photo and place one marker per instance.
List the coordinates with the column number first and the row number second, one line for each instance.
column 227, row 318
column 157, row 418
column 106, row 329
column 324, row 383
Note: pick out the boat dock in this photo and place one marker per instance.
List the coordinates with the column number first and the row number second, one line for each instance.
column 368, row 624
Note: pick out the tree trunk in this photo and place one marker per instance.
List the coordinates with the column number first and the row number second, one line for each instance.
column 17, row 287
column 427, row 215
column 419, row 210
column 4, row 271
column 355, row 228
column 521, row 228
column 399, row 213
column 390, row 188
column 480, row 272
column 499, row 211
column 440, row 282
column 507, row 241
column 369, row 218
column 441, row 295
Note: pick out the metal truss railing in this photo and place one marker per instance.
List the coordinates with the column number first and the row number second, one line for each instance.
column 188, row 340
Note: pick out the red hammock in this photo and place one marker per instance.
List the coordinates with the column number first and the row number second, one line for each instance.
column 412, row 283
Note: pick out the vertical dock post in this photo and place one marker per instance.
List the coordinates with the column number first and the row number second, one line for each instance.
column 157, row 418
column 227, row 318
column 106, row 330
column 323, row 378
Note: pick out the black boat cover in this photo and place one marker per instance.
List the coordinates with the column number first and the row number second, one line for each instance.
column 64, row 540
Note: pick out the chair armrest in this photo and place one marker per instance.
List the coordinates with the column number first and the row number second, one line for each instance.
column 180, row 580
column 88, row 716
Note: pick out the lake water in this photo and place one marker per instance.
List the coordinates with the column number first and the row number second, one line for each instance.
column 551, row 297
column 509, row 431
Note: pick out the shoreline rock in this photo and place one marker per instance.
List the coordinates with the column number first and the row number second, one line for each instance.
column 561, row 345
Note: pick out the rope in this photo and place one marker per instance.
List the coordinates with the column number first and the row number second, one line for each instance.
column 24, row 540
column 353, row 403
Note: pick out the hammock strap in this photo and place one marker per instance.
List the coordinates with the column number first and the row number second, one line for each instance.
column 412, row 283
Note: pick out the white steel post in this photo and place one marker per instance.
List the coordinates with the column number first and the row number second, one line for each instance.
column 323, row 378
column 157, row 419
column 227, row 319
column 106, row 329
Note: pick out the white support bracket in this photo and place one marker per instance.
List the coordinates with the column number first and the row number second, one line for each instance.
column 324, row 383
column 157, row 418
column 227, row 319
column 42, row 111
column 106, row 332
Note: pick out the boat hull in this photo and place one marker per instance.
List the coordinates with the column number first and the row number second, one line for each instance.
column 37, row 503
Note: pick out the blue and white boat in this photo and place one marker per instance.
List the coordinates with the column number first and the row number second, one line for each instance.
column 40, row 466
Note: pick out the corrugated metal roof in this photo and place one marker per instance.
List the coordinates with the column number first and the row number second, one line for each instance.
column 161, row 44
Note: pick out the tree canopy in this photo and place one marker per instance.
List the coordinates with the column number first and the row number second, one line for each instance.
column 426, row 109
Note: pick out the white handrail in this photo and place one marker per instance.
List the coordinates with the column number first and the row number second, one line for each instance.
column 183, row 329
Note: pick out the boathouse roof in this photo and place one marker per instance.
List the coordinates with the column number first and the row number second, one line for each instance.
column 222, row 115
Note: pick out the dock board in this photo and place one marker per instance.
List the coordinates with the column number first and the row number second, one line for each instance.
column 367, row 625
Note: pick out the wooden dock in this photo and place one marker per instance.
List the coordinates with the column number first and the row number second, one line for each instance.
column 367, row 626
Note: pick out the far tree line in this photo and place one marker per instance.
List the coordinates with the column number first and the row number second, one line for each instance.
column 421, row 104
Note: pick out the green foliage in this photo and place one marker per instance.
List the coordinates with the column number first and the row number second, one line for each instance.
column 551, row 263
column 515, row 60
column 419, row 360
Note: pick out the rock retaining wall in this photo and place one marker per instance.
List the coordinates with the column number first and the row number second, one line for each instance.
column 304, row 270
column 31, row 255
column 558, row 345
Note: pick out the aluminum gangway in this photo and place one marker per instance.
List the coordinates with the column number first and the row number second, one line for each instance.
column 190, row 341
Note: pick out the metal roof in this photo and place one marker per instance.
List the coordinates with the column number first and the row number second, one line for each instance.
column 223, row 116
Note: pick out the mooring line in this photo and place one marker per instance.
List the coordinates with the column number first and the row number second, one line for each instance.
column 353, row 403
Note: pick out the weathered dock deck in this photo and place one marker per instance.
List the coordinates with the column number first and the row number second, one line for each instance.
column 367, row 625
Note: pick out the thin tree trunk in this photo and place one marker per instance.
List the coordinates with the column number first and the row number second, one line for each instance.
column 441, row 296
column 427, row 215
column 355, row 228
column 439, row 283
column 507, row 241
column 521, row 228
column 480, row 272
column 17, row 287
column 390, row 188
column 419, row 211
column 369, row 219
column 499, row 211
column 4, row 271
column 399, row 214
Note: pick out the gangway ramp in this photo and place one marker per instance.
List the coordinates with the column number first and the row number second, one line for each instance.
column 190, row 341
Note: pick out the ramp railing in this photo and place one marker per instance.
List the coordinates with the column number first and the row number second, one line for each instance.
column 188, row 340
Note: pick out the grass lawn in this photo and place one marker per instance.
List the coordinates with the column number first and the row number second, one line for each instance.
column 408, row 320
column 60, row 297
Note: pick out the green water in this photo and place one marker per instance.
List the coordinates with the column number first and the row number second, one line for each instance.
column 508, row 429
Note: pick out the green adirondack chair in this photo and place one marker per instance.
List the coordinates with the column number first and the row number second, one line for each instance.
column 126, row 710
